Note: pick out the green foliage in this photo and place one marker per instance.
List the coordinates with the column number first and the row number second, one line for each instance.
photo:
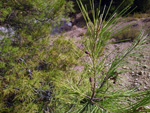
column 32, row 18
column 27, row 73
column 96, row 88
column 127, row 35
column 115, row 4
column 142, row 5
column 38, row 77
column 28, row 63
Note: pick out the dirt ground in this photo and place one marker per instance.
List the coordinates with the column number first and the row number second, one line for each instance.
column 138, row 74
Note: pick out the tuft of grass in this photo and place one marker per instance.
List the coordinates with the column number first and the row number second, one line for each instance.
column 126, row 35
column 140, row 15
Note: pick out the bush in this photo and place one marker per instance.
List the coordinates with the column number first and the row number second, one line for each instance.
column 32, row 20
column 28, row 64
column 26, row 74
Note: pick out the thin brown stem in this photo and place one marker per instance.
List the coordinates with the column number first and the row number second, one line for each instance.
column 98, row 105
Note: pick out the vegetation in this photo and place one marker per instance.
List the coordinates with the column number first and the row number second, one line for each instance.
column 95, row 90
column 32, row 20
column 27, row 73
column 127, row 35
column 37, row 72
column 141, row 6
column 28, row 63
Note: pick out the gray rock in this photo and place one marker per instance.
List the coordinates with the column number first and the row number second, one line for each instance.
column 136, row 79
column 64, row 26
column 137, row 84
column 7, row 31
column 132, row 73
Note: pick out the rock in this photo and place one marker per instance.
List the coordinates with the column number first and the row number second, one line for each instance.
column 74, row 27
column 135, row 25
column 106, row 64
column 148, row 107
column 69, row 24
column 132, row 73
column 137, row 84
column 125, row 67
column 146, row 20
column 66, row 26
column 136, row 79
column 139, row 89
column 5, row 30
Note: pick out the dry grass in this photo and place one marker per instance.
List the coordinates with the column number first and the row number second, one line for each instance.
column 127, row 35
column 139, row 15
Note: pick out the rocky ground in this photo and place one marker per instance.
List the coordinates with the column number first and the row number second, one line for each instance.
column 138, row 74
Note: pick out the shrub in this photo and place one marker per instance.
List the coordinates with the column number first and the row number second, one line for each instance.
column 32, row 20
column 28, row 63
column 27, row 73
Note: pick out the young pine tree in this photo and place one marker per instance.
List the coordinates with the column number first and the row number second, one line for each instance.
column 95, row 90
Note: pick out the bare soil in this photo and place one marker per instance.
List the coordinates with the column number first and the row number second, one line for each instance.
column 138, row 74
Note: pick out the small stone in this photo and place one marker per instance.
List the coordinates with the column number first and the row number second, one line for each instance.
column 146, row 20
column 139, row 88
column 125, row 67
column 136, row 79
column 74, row 27
column 69, row 24
column 145, row 87
column 135, row 25
column 137, row 84
column 107, row 64
column 148, row 107
column 132, row 73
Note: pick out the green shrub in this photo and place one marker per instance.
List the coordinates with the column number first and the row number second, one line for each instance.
column 27, row 73
column 28, row 64
column 32, row 20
